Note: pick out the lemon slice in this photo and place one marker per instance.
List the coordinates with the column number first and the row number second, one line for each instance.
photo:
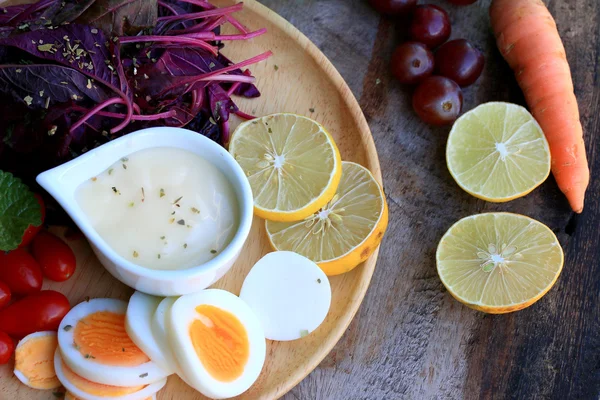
column 346, row 231
column 498, row 152
column 499, row 262
column 292, row 163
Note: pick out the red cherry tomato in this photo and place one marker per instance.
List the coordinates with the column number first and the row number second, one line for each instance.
column 7, row 346
column 430, row 25
column 20, row 271
column 41, row 311
column 31, row 231
column 4, row 294
column 54, row 256
column 460, row 61
column 437, row 100
column 412, row 62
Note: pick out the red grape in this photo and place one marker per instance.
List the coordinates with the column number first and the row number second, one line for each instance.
column 430, row 25
column 459, row 61
column 412, row 62
column 393, row 7
column 437, row 100
column 462, row 2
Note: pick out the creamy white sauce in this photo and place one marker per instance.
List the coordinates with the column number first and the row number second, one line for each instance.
column 162, row 208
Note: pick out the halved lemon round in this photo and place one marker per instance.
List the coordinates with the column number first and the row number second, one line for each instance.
column 497, row 152
column 292, row 163
column 499, row 262
column 346, row 231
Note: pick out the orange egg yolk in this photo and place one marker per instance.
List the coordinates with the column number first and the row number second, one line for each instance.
column 96, row 389
column 35, row 360
column 101, row 336
column 221, row 343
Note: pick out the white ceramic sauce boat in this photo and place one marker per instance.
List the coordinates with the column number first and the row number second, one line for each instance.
column 62, row 183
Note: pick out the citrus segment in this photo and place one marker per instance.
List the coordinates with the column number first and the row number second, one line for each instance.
column 498, row 152
column 292, row 163
column 345, row 232
column 499, row 262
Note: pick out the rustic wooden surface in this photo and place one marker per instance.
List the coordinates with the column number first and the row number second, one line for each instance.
column 410, row 339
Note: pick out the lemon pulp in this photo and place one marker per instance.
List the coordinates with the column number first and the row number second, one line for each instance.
column 345, row 232
column 498, row 152
column 499, row 262
column 292, row 163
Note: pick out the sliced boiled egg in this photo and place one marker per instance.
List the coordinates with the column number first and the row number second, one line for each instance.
column 289, row 294
column 159, row 331
column 84, row 389
column 138, row 324
column 34, row 360
column 94, row 344
column 218, row 341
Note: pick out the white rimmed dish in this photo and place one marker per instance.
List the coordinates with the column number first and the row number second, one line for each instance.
column 62, row 183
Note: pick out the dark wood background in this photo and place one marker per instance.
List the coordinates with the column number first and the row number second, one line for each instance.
column 410, row 339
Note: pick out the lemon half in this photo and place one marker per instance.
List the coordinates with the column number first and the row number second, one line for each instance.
column 497, row 152
column 292, row 163
column 346, row 231
column 499, row 262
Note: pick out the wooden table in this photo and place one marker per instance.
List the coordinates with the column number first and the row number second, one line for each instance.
column 410, row 339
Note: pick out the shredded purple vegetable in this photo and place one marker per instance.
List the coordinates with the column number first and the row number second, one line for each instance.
column 77, row 73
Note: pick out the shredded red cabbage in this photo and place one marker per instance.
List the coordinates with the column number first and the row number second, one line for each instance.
column 74, row 76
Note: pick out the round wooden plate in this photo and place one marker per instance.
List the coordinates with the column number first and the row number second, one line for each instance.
column 298, row 78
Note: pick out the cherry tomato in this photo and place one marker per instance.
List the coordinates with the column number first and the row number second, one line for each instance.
column 55, row 256
column 462, row 2
column 41, row 311
column 393, row 7
column 31, row 231
column 460, row 61
column 430, row 25
column 5, row 294
column 20, row 271
column 437, row 100
column 412, row 62
column 7, row 346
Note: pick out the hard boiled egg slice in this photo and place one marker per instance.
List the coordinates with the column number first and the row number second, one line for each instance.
column 159, row 331
column 34, row 360
column 94, row 343
column 218, row 341
column 289, row 294
column 138, row 324
column 84, row 389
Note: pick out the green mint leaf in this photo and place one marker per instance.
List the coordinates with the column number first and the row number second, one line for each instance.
column 18, row 209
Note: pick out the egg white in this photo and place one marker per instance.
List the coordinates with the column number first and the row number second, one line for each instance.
column 160, row 333
column 289, row 294
column 183, row 313
column 89, row 368
column 149, row 390
column 24, row 379
column 138, row 324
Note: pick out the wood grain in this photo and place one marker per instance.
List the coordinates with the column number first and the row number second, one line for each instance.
column 299, row 79
column 410, row 339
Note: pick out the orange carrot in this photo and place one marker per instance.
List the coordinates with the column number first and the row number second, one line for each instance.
column 527, row 37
